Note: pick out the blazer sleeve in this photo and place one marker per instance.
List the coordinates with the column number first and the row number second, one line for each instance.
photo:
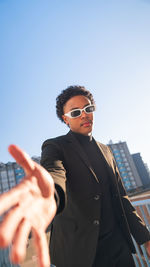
column 136, row 224
column 52, row 161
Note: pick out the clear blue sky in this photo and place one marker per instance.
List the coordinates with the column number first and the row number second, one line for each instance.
column 48, row 45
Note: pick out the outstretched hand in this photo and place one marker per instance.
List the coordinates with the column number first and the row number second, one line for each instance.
column 31, row 206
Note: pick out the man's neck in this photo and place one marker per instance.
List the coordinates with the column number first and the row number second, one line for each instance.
column 82, row 136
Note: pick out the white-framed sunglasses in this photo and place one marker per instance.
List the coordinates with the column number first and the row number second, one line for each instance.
column 77, row 112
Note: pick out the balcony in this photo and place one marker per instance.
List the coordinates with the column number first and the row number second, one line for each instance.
column 143, row 208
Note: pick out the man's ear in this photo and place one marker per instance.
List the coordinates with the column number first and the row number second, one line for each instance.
column 65, row 119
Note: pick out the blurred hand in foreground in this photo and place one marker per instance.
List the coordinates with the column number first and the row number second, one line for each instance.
column 31, row 206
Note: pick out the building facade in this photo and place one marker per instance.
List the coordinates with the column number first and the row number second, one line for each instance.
column 126, row 166
column 142, row 170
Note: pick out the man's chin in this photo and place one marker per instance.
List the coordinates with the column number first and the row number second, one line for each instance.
column 87, row 132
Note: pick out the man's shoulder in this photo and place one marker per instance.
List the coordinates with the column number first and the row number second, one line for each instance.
column 54, row 140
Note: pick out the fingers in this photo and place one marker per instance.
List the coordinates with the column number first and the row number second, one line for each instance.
column 9, row 226
column 13, row 197
column 9, row 199
column 44, row 179
column 19, row 246
column 22, row 158
column 41, row 245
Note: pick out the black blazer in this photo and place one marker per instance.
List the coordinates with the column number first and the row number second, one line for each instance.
column 75, row 231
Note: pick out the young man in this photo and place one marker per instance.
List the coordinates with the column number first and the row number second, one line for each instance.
column 93, row 225
column 93, row 217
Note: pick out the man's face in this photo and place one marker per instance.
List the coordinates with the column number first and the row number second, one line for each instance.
column 82, row 124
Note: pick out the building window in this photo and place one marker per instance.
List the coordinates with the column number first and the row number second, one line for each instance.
column 3, row 174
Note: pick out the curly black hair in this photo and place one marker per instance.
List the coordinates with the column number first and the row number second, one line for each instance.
column 68, row 93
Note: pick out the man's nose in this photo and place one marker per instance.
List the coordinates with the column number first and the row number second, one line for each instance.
column 83, row 114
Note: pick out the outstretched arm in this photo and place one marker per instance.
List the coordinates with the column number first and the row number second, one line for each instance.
column 30, row 206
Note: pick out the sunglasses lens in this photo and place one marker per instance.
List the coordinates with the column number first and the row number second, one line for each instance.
column 89, row 109
column 75, row 113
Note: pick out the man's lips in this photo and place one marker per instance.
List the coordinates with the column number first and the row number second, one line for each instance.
column 86, row 123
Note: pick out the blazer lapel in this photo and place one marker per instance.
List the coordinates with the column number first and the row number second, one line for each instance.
column 75, row 145
column 104, row 153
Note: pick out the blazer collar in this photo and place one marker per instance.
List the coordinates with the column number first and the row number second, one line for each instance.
column 75, row 145
column 79, row 150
